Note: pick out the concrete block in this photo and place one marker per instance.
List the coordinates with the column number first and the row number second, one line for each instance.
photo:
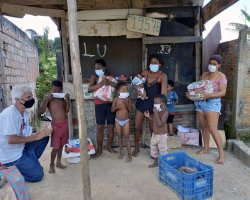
column 240, row 150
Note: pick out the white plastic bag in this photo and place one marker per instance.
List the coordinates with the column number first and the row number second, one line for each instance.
column 106, row 92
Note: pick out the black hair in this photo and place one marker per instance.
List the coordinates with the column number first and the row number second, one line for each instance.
column 119, row 85
column 218, row 58
column 57, row 83
column 158, row 57
column 162, row 97
column 171, row 83
column 101, row 62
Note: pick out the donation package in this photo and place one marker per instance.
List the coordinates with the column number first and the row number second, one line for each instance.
column 197, row 90
column 106, row 92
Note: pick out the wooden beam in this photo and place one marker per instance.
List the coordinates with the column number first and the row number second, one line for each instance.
column 197, row 32
column 80, row 103
column 106, row 28
column 214, row 7
column 169, row 3
column 34, row 2
column 166, row 40
column 110, row 14
column 22, row 10
column 66, row 72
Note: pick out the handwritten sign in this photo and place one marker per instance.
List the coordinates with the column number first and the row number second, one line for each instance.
column 145, row 25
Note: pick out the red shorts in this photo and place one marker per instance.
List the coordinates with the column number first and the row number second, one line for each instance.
column 60, row 134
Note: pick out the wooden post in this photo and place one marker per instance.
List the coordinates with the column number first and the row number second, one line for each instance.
column 80, row 104
column 66, row 70
column 197, row 32
column 65, row 50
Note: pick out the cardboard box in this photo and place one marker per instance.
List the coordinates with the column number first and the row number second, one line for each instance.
column 212, row 142
column 174, row 142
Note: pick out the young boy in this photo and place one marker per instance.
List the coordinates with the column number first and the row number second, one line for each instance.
column 58, row 106
column 172, row 98
column 158, row 143
column 122, row 105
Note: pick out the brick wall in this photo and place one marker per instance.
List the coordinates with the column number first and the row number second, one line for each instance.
column 246, row 93
column 229, row 51
column 18, row 59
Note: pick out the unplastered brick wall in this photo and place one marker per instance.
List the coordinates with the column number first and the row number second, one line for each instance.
column 246, row 93
column 18, row 59
column 229, row 53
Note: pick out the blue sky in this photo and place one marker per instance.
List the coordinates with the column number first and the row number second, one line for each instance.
column 232, row 14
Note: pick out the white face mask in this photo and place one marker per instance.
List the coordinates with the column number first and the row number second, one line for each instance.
column 154, row 67
column 212, row 68
column 123, row 95
column 157, row 106
column 99, row 72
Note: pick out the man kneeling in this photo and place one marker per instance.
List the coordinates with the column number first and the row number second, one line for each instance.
column 18, row 145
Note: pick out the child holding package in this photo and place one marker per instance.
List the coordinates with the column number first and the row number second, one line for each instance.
column 158, row 143
column 58, row 104
column 122, row 105
column 172, row 99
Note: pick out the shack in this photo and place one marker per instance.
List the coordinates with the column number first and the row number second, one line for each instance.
column 123, row 32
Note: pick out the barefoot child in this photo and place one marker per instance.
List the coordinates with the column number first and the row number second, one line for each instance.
column 58, row 106
column 158, row 143
column 122, row 106
column 172, row 99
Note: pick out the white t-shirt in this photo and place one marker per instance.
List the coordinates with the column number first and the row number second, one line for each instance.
column 12, row 122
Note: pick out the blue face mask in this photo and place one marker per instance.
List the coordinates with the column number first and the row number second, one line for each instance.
column 154, row 67
column 99, row 72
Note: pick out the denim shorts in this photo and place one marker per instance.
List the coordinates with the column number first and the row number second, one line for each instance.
column 210, row 105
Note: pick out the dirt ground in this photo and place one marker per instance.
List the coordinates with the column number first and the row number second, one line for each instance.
column 113, row 179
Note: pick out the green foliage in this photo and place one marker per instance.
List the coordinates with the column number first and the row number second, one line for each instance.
column 56, row 45
column 47, row 64
column 44, row 79
column 247, row 16
column 245, row 138
column 230, row 134
column 238, row 26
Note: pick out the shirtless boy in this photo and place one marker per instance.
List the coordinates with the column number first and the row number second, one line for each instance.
column 158, row 143
column 58, row 108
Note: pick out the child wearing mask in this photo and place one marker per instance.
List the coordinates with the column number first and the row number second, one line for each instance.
column 58, row 107
column 122, row 105
column 158, row 143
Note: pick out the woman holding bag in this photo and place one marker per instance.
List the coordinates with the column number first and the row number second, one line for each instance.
column 209, row 106
column 155, row 84
column 99, row 83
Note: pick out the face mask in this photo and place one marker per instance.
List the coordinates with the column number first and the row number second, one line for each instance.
column 123, row 95
column 154, row 67
column 99, row 72
column 29, row 103
column 212, row 68
column 157, row 106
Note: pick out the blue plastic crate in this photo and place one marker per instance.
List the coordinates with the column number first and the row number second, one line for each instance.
column 193, row 186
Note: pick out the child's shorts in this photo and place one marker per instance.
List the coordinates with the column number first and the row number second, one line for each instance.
column 60, row 134
column 158, row 144
column 210, row 105
column 170, row 119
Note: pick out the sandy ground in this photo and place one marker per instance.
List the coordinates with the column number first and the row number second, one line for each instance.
column 113, row 179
